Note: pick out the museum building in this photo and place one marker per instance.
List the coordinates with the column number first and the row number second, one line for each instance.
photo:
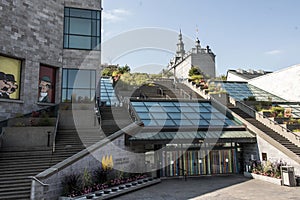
column 50, row 56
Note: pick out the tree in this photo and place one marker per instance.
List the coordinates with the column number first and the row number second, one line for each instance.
column 222, row 77
column 194, row 71
column 125, row 69
column 107, row 71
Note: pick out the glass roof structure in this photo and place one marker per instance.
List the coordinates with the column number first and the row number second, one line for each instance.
column 240, row 90
column 177, row 114
column 107, row 92
column 150, row 136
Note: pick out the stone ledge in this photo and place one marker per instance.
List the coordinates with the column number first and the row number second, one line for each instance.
column 112, row 194
column 263, row 178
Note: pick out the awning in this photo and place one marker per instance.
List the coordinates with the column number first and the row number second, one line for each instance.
column 222, row 136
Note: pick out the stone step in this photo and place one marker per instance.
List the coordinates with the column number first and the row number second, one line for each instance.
column 24, row 168
column 15, row 195
column 15, row 181
column 58, row 154
column 23, row 173
column 276, row 136
column 16, row 167
column 15, row 188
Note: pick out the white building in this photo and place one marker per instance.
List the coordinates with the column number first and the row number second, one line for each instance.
column 241, row 75
column 200, row 57
column 284, row 83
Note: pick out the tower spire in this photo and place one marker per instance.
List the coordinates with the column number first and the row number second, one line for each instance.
column 180, row 46
column 197, row 42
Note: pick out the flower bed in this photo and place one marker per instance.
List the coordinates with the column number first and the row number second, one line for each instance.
column 104, row 180
column 115, row 191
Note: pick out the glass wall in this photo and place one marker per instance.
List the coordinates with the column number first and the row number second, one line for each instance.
column 196, row 162
column 107, row 93
column 78, row 85
column 82, row 29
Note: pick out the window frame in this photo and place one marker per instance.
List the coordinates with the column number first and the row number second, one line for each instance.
column 95, row 39
column 21, row 78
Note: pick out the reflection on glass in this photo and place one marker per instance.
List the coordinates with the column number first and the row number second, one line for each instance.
column 80, row 42
column 78, row 85
column 80, row 26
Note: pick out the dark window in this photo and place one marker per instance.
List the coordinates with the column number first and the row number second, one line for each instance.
column 82, row 29
column 264, row 156
column 78, row 85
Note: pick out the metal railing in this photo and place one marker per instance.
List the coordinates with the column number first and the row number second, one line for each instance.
column 1, row 137
column 33, row 189
column 270, row 120
column 55, row 131
column 37, row 180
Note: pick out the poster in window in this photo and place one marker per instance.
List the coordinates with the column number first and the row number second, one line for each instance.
column 10, row 70
column 47, row 84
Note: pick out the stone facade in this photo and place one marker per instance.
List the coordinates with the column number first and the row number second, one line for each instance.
column 32, row 31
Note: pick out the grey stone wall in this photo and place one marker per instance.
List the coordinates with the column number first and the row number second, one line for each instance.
column 206, row 62
column 32, row 30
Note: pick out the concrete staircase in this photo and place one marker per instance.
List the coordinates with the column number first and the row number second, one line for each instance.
column 277, row 137
column 114, row 119
column 17, row 166
column 183, row 87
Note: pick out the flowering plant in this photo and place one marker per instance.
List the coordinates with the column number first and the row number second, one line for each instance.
column 267, row 168
column 83, row 184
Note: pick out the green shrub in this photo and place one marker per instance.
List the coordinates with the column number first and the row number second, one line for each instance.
column 71, row 185
column 100, row 176
column 86, row 179
column 45, row 122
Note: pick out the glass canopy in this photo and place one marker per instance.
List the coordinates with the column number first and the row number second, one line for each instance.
column 175, row 114
column 240, row 90
column 107, row 92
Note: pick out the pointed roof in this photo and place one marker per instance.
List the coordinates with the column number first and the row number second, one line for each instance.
column 180, row 46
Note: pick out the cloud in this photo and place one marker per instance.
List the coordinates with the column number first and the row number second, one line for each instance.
column 273, row 52
column 115, row 15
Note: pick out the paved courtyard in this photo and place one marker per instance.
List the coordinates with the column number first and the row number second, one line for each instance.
column 233, row 187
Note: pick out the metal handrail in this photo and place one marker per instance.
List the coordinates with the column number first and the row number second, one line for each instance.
column 271, row 121
column 55, row 131
column 37, row 180
column 1, row 137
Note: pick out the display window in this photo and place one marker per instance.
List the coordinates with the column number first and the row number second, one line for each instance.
column 47, row 80
column 10, row 78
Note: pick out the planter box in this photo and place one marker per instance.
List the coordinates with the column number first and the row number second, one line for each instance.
column 281, row 120
column 31, row 121
column 267, row 114
column 109, row 194
column 251, row 104
column 292, row 127
column 263, row 178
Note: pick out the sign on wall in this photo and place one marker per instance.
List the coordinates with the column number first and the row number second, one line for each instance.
column 10, row 72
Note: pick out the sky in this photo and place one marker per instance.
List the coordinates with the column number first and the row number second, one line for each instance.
column 246, row 34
